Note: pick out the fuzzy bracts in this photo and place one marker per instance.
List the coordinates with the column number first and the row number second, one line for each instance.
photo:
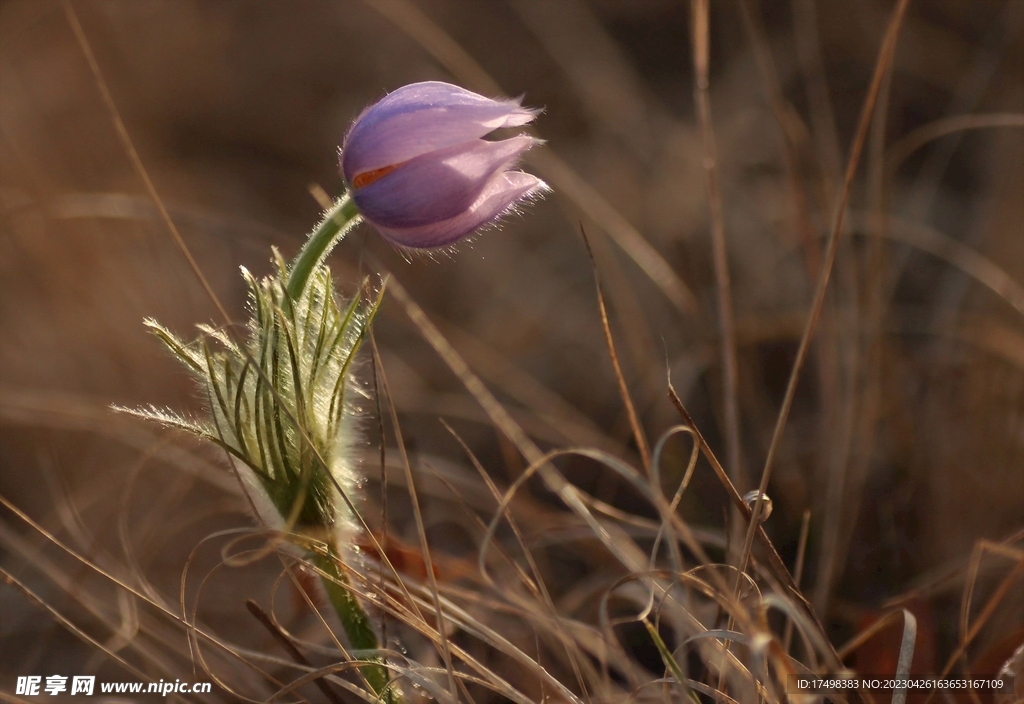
column 281, row 402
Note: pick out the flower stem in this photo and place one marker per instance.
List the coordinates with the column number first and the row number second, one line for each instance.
column 356, row 623
column 338, row 220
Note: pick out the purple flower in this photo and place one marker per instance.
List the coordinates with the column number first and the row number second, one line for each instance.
column 419, row 171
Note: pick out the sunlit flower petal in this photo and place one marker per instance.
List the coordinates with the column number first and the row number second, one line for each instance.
column 455, row 176
column 421, row 118
column 497, row 199
column 419, row 171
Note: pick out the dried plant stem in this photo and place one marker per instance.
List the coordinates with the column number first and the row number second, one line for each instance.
column 634, row 421
column 914, row 140
column 428, row 562
column 809, row 55
column 133, row 156
column 194, row 630
column 503, row 422
column 967, row 631
column 260, row 615
column 38, row 601
column 798, row 572
column 773, row 558
column 846, row 483
column 726, row 317
column 136, row 161
column 885, row 57
column 790, row 125
column 726, row 321
column 826, row 350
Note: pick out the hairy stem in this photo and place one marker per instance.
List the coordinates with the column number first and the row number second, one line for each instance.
column 356, row 623
column 338, row 220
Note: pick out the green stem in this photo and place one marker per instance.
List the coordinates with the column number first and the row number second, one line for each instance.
column 356, row 623
column 338, row 220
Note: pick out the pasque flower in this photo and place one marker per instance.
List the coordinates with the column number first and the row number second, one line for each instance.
column 419, row 171
column 281, row 401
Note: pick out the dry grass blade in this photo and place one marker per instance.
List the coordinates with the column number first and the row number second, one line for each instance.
column 906, row 657
column 777, row 565
column 122, row 639
column 614, row 93
column 41, row 603
column 421, row 530
column 939, row 244
column 723, row 287
column 495, row 410
column 534, row 581
column 822, row 240
column 798, row 572
column 916, row 139
column 133, row 156
column 791, row 129
column 967, row 631
column 193, row 629
column 885, row 57
column 140, row 169
column 811, row 61
column 471, row 381
column 617, row 543
column 67, row 411
column 634, row 421
column 563, row 417
column 385, row 530
column 260, row 615
column 908, row 642
column 597, row 208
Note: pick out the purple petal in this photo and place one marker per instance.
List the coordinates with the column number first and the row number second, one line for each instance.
column 438, row 185
column 499, row 195
column 421, row 118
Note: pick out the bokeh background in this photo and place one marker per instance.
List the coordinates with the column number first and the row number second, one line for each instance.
column 906, row 442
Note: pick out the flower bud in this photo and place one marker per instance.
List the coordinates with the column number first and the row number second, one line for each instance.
column 420, row 173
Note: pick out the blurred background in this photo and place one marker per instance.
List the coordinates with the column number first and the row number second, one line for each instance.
column 906, row 439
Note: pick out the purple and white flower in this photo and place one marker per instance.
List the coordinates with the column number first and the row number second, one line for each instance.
column 420, row 172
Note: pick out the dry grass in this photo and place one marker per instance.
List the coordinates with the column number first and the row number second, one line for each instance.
column 805, row 223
